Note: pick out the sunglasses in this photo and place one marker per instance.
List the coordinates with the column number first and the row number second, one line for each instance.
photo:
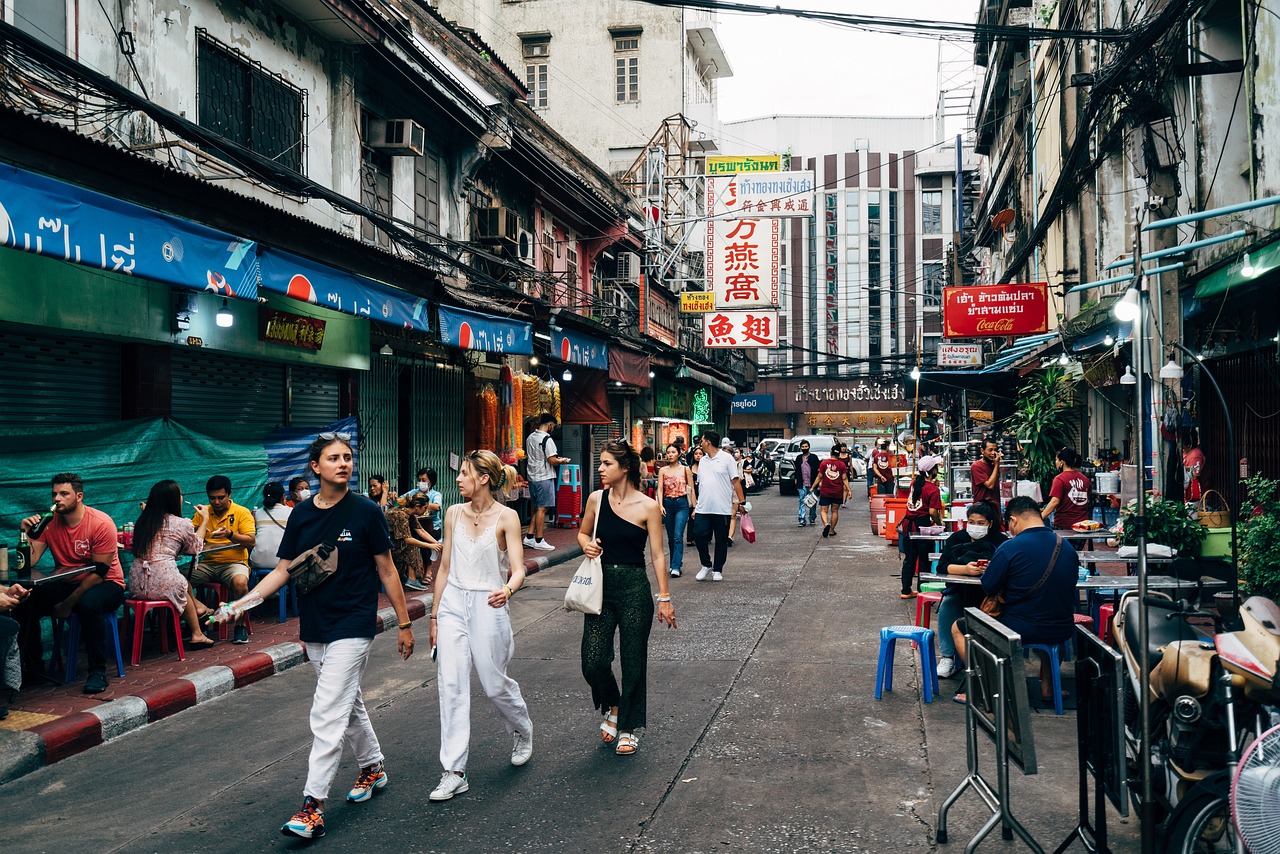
column 329, row 437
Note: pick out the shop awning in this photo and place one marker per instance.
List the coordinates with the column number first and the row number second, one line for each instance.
column 471, row 330
column 309, row 281
column 585, row 400
column 628, row 367
column 1262, row 260
column 686, row 372
column 576, row 348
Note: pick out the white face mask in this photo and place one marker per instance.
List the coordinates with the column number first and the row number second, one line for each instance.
column 304, row 494
column 423, row 485
column 977, row 532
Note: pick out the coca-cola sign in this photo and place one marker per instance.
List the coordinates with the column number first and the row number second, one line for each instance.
column 986, row 311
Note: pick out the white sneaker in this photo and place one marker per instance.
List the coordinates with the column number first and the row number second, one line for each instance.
column 521, row 748
column 702, row 574
column 946, row 666
column 543, row 546
column 529, row 542
column 450, row 784
column 716, row 576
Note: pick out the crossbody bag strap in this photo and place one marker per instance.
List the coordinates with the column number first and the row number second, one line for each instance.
column 1048, row 570
column 273, row 519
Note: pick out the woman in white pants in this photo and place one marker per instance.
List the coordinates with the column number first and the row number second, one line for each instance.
column 470, row 621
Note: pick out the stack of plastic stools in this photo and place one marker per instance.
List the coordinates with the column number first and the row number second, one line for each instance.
column 889, row 636
column 73, row 642
column 569, row 497
column 1105, row 613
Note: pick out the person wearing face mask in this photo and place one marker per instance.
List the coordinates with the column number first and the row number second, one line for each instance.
column 299, row 491
column 427, row 479
column 965, row 552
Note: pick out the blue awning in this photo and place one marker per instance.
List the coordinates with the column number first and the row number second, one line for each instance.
column 472, row 330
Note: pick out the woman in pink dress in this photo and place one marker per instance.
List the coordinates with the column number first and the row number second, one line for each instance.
column 159, row 536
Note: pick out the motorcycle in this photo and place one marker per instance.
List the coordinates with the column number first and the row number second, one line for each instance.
column 763, row 470
column 1210, row 692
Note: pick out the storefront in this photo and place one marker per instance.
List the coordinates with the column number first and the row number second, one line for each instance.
column 864, row 408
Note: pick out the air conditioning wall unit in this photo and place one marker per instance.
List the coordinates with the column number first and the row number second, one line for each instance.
column 524, row 247
column 629, row 267
column 497, row 225
column 401, row 137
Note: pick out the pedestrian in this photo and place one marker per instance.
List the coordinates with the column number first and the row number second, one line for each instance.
column 966, row 552
column 628, row 520
column 1069, row 495
column 984, row 474
column 159, row 536
column 719, row 497
column 832, row 482
column 648, row 471
column 337, row 620
column 882, row 467
column 924, row 507
column 695, row 456
column 409, row 540
column 470, row 619
column 679, row 498
column 740, row 463
column 802, row 478
column 541, row 458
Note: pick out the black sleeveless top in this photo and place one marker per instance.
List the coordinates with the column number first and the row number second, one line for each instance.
column 623, row 542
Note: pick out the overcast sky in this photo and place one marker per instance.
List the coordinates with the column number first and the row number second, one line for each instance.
column 784, row 65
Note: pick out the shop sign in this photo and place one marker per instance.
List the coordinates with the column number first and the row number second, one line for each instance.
column 730, row 165
column 959, row 355
column 578, row 349
column 673, row 401
column 850, row 421
column 471, row 330
column 723, row 329
column 292, row 330
column 770, row 194
column 985, row 311
column 760, row 403
column 693, row 302
column 743, row 262
column 313, row 282
column 849, row 391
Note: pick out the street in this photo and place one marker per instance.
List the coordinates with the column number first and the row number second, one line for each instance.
column 763, row 736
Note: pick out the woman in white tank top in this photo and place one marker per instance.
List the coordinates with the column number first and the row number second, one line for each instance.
column 470, row 621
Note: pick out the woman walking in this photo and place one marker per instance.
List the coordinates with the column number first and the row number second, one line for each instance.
column 159, row 536
column 628, row 520
column 337, row 620
column 679, row 498
column 696, row 456
column 924, row 507
column 470, row 620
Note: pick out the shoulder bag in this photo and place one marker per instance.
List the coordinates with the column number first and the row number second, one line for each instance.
column 994, row 603
column 586, row 588
column 310, row 569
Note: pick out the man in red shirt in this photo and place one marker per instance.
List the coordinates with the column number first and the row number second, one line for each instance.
column 78, row 535
column 985, row 474
column 881, row 469
column 1069, row 494
column 831, row 482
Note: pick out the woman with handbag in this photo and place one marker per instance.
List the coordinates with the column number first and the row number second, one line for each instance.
column 627, row 520
column 924, row 507
column 679, row 498
column 337, row 619
column 470, row 620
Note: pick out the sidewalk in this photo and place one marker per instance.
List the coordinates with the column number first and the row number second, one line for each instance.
column 50, row 722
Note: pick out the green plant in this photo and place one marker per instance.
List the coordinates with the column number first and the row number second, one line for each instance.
column 1167, row 524
column 1259, row 538
column 1042, row 420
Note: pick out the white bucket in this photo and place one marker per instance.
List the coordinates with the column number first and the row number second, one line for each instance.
column 1108, row 482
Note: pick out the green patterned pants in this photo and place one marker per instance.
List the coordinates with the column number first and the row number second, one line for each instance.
column 628, row 610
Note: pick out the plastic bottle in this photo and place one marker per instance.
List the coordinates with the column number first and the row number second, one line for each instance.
column 230, row 610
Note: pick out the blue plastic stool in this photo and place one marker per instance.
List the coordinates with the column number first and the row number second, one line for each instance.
column 569, row 475
column 73, row 642
column 889, row 636
column 288, row 595
column 1053, row 650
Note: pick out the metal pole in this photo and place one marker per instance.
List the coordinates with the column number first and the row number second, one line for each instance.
column 1139, row 520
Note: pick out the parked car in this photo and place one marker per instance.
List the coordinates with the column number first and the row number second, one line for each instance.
column 821, row 446
column 772, row 448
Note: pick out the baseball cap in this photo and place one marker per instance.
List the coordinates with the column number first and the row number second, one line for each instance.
column 726, row 442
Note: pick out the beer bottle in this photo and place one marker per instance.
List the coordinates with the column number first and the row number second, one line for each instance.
column 24, row 554
column 39, row 527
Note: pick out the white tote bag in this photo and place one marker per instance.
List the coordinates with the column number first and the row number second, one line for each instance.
column 586, row 589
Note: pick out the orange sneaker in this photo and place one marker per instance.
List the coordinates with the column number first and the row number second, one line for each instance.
column 308, row 822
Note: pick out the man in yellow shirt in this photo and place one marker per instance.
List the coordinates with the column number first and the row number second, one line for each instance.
column 229, row 525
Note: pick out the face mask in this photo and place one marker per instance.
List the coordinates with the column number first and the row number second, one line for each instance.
column 304, row 494
column 977, row 532
column 423, row 485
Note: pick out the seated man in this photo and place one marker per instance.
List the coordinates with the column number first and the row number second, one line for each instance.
column 1036, row 572
column 78, row 535
column 230, row 524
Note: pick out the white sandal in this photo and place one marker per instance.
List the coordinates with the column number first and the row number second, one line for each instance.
column 628, row 740
column 609, row 729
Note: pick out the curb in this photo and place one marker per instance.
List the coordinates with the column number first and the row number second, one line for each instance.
column 534, row 565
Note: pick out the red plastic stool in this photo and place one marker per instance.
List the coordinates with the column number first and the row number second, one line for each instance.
column 1105, row 613
column 222, row 594
column 140, row 608
column 923, row 606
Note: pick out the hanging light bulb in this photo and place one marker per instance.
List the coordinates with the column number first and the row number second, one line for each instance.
column 652, row 375
column 1171, row 370
column 1064, row 359
column 1128, row 378
column 1109, row 340
column 1127, row 308
column 386, row 350
column 1247, row 269
column 567, row 376
column 915, row 374
column 533, row 360
column 225, row 318
column 618, row 383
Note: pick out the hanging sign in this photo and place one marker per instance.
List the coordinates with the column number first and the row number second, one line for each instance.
column 694, row 302
column 721, row 329
column 723, row 165
column 316, row 283
column 578, row 349
column 769, row 194
column 293, row 330
column 758, row 403
column 959, row 355
column 743, row 259
column 472, row 330
column 986, row 311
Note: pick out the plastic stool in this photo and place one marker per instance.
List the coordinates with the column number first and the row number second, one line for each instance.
column 1053, row 650
column 287, row 594
column 1105, row 613
column 140, row 608
column 889, row 636
column 73, row 642
column 924, row 605
column 570, row 475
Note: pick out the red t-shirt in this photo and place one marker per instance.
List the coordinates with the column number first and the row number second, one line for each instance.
column 930, row 499
column 830, row 478
column 96, row 534
column 880, row 463
column 978, row 474
column 1071, row 488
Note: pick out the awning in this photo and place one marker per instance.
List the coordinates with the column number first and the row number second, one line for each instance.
column 576, row 348
column 585, row 399
column 1263, row 260
column 471, row 330
column 630, row 368
column 686, row 372
column 310, row 281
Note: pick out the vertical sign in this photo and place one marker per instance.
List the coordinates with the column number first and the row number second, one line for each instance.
column 743, row 258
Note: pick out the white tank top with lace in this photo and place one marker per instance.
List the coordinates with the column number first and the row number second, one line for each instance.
column 477, row 564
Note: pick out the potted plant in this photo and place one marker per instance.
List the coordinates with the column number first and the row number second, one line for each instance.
column 1168, row 524
column 1042, row 420
column 1258, row 539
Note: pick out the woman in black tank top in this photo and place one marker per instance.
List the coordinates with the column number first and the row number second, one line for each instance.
column 628, row 608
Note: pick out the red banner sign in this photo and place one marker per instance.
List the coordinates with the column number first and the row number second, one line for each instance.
column 989, row 311
column 283, row 327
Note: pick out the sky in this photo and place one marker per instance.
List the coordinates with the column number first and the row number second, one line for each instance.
column 840, row 71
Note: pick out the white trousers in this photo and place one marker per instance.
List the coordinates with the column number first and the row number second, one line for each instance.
column 337, row 712
column 470, row 632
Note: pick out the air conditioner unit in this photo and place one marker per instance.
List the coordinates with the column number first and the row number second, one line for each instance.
column 524, row 247
column 401, row 137
column 629, row 267
column 497, row 225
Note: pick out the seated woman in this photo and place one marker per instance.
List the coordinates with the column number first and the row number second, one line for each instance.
column 159, row 536
column 960, row 555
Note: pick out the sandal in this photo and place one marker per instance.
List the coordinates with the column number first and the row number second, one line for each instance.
column 628, row 744
column 609, row 729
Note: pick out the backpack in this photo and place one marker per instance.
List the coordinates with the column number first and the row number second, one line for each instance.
column 522, row 465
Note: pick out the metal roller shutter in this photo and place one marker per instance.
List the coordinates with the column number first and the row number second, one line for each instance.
column 380, row 420
column 437, row 423
column 221, row 389
column 313, row 396
column 601, row 435
column 51, row 379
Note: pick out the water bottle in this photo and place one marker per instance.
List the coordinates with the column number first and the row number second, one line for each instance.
column 228, row 611
column 1097, row 515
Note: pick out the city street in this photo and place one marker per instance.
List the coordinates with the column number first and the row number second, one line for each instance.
column 763, row 736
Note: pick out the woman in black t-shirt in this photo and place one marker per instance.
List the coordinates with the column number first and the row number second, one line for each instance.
column 965, row 553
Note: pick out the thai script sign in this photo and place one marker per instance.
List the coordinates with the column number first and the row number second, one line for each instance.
column 759, row 403
column 293, row 330
column 740, row 329
column 959, row 355
column 735, row 165
column 743, row 262
column 769, row 194
column 985, row 311
column 846, row 391
column 471, row 330
column 313, row 282
column 578, row 349
column 693, row 302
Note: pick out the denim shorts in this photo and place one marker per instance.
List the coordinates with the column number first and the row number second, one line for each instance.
column 543, row 492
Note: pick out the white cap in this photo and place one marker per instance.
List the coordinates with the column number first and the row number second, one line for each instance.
column 726, row 442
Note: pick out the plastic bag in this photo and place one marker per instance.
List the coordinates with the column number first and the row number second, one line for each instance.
column 748, row 527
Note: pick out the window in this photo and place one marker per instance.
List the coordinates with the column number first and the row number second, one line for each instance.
column 241, row 102
column 537, row 63
column 626, row 63
column 426, row 192
column 933, row 284
column 375, row 184
column 931, row 212
column 45, row 20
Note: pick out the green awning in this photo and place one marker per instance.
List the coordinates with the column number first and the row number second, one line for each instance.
column 1264, row 260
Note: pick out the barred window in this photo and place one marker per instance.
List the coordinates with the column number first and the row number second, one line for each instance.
column 375, row 184
column 426, row 191
column 245, row 104
column 626, row 59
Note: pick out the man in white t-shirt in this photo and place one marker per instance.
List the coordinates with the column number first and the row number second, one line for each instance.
column 541, row 457
column 719, row 497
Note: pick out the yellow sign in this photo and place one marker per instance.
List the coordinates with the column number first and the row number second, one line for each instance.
column 738, row 165
column 697, row 302
column 854, row 421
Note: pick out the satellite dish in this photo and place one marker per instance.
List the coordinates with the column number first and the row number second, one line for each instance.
column 1003, row 219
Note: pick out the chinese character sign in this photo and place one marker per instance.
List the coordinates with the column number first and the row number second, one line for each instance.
column 768, row 194
column 740, row 329
column 995, row 310
column 743, row 261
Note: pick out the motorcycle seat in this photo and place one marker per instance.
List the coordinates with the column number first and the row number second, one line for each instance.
column 1162, row 629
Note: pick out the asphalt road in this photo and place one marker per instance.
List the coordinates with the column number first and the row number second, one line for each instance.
column 763, row 736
